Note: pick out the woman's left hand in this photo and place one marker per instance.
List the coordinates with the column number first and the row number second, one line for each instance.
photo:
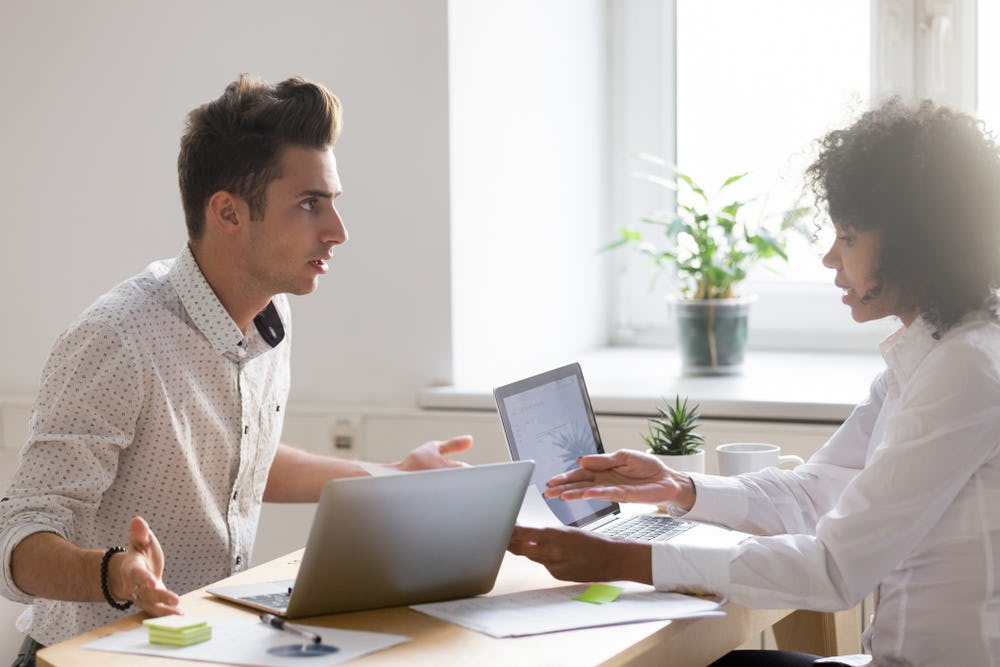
column 572, row 554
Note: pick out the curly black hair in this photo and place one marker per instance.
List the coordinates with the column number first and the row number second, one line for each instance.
column 927, row 178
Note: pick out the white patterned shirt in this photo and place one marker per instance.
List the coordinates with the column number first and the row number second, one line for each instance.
column 153, row 403
column 904, row 500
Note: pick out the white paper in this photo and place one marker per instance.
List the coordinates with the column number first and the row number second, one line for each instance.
column 246, row 642
column 535, row 512
column 554, row 609
column 857, row 660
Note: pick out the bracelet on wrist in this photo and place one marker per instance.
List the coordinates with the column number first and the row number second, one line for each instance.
column 120, row 606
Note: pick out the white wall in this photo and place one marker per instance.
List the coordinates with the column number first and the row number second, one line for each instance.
column 94, row 100
column 529, row 192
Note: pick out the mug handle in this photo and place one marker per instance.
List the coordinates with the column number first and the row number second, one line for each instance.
column 790, row 458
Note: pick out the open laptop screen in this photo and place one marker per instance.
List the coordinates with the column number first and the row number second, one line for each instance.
column 549, row 418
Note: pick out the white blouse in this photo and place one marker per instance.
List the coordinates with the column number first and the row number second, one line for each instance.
column 904, row 500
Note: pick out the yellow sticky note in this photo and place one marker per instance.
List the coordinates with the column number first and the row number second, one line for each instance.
column 599, row 594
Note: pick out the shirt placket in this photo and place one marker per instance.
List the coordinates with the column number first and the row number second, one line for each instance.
column 892, row 392
column 239, row 559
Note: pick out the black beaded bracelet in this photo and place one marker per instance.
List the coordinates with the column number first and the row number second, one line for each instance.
column 120, row 606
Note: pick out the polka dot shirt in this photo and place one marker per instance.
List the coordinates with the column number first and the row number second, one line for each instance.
column 153, row 403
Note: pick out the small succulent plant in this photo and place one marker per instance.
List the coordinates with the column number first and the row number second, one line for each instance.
column 673, row 432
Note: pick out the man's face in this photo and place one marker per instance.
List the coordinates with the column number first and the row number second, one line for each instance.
column 288, row 249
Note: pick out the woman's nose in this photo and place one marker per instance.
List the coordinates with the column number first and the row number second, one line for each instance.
column 831, row 259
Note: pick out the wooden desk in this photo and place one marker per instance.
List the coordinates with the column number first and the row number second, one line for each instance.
column 693, row 642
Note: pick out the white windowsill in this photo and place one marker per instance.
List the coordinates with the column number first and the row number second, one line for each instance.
column 779, row 386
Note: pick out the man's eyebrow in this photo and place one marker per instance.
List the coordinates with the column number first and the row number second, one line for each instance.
column 317, row 193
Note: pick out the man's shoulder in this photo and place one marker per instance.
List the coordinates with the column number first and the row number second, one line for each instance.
column 133, row 300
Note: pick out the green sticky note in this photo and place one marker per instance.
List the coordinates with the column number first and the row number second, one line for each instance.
column 599, row 594
column 178, row 630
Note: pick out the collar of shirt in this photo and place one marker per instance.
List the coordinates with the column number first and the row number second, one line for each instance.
column 904, row 349
column 211, row 317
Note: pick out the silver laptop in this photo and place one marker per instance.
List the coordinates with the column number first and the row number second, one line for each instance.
column 549, row 418
column 398, row 540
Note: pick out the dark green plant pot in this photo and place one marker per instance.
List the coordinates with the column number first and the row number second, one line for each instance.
column 712, row 335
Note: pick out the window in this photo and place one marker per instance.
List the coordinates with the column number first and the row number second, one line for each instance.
column 989, row 64
column 746, row 86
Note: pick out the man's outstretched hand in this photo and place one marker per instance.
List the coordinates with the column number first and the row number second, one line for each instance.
column 435, row 454
column 140, row 571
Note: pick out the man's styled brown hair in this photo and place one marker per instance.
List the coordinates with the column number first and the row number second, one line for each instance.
column 235, row 143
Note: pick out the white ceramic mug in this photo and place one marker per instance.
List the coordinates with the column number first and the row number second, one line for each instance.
column 739, row 457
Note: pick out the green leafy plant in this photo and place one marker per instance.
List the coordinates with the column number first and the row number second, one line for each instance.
column 710, row 246
column 673, row 432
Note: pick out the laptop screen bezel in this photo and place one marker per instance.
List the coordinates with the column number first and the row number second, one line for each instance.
column 514, row 388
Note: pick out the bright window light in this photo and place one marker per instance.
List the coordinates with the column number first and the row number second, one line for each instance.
column 757, row 83
column 989, row 64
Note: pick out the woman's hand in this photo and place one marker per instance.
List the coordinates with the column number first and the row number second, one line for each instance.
column 625, row 476
column 572, row 554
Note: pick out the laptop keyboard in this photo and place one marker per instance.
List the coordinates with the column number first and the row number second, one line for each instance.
column 645, row 528
column 271, row 600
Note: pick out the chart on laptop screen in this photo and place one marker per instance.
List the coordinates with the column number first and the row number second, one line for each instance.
column 549, row 423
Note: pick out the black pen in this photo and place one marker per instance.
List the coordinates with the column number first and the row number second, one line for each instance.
column 282, row 624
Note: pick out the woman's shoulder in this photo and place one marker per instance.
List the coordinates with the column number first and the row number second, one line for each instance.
column 969, row 352
column 978, row 333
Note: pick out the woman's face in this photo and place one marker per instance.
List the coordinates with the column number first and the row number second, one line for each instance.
column 854, row 256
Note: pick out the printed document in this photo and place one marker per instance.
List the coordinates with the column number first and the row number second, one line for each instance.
column 245, row 642
column 555, row 609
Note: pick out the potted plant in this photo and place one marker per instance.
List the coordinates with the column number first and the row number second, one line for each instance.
column 672, row 436
column 711, row 249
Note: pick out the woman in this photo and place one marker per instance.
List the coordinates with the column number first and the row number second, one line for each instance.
column 904, row 499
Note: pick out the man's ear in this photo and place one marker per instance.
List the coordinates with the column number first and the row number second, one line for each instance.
column 223, row 211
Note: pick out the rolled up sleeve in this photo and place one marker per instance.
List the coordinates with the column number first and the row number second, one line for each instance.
column 76, row 433
column 28, row 524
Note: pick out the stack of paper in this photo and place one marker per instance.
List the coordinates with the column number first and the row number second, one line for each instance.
column 178, row 630
column 562, row 608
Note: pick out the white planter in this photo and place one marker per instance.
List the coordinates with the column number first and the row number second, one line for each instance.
column 684, row 462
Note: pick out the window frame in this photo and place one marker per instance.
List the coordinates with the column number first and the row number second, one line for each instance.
column 919, row 48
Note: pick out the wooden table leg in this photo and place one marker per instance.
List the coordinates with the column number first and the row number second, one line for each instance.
column 820, row 633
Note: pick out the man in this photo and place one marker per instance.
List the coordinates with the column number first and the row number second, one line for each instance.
column 161, row 407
